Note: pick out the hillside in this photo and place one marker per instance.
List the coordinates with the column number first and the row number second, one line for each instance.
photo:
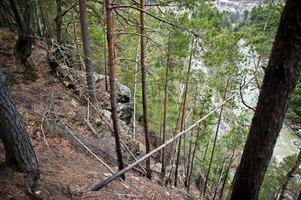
column 67, row 169
column 150, row 99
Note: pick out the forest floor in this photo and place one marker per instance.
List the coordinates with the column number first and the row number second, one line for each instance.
column 67, row 170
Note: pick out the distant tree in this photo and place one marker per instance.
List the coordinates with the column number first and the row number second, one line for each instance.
column 18, row 148
column 279, row 82
column 87, row 50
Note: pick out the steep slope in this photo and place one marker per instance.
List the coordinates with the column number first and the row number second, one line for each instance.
column 49, row 110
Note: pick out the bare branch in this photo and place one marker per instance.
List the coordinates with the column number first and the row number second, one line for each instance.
column 241, row 95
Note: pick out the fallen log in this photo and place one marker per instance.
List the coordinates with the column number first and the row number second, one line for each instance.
column 105, row 182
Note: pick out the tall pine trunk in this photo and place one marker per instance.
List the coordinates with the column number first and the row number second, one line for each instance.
column 165, row 107
column 18, row 148
column 183, row 114
column 144, row 94
column 87, row 50
column 280, row 79
column 112, row 79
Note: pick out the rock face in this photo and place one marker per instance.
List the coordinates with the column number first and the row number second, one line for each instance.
column 125, row 112
column 237, row 9
column 123, row 93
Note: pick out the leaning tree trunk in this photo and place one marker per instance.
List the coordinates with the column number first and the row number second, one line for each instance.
column 289, row 176
column 112, row 73
column 87, row 50
column 18, row 149
column 279, row 82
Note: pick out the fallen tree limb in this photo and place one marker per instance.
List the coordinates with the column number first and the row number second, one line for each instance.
column 105, row 182
column 100, row 115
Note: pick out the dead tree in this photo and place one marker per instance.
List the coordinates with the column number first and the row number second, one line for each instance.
column 87, row 50
column 280, row 79
column 143, row 83
column 112, row 79
column 19, row 151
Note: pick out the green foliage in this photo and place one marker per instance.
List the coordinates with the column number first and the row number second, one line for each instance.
column 218, row 50
column 260, row 28
column 294, row 110
column 274, row 177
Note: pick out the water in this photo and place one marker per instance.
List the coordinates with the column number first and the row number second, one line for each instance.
column 287, row 144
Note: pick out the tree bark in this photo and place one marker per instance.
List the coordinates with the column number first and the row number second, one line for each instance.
column 112, row 74
column 87, row 51
column 279, row 82
column 18, row 148
column 289, row 176
column 144, row 95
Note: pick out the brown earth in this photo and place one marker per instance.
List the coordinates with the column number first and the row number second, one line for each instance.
column 67, row 169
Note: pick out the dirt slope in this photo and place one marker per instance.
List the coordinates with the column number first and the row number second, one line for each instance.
column 67, row 170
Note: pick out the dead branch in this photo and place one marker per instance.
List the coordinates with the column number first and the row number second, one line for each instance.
column 241, row 95
column 101, row 116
